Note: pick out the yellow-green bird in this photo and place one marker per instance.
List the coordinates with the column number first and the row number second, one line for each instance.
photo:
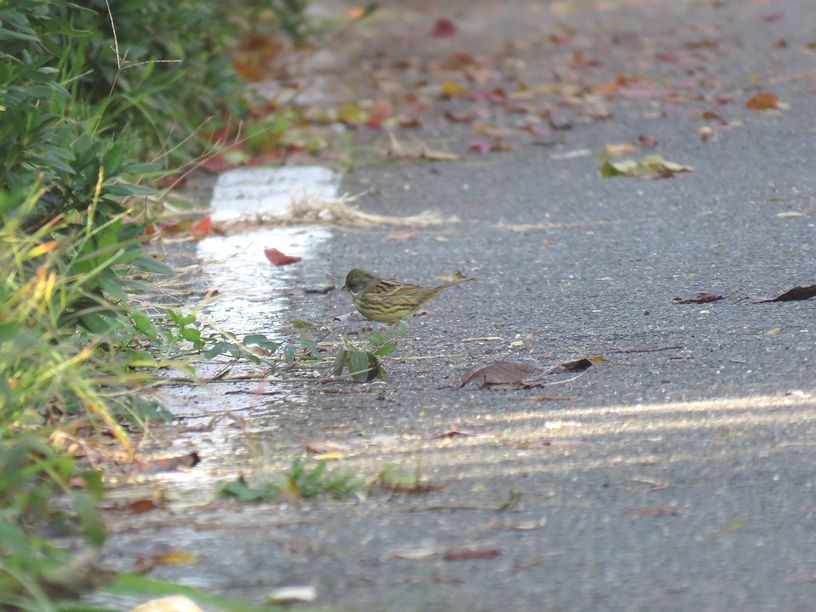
column 388, row 301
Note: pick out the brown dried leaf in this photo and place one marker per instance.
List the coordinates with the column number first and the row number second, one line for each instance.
column 700, row 298
column 167, row 464
column 652, row 511
column 499, row 373
column 763, row 101
column 795, row 294
column 466, row 554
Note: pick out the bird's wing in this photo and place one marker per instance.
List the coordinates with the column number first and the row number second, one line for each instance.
column 386, row 288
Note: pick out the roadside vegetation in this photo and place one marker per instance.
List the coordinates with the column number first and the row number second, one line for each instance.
column 98, row 103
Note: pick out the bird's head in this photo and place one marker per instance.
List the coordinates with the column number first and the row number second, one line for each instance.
column 358, row 281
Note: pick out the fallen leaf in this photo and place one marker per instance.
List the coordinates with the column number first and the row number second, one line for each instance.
column 174, row 603
column 439, row 155
column 499, row 373
column 700, row 298
column 452, row 433
column 550, row 398
column 774, row 331
column 202, row 228
column 795, row 294
column 277, row 258
column 573, row 365
column 326, row 446
column 646, row 141
column 614, row 150
column 293, row 594
column 652, row 511
column 762, row 102
column 416, row 554
column 448, row 89
column 139, row 506
column 712, row 116
column 466, row 554
column 652, row 166
column 175, row 557
column 405, row 235
column 167, row 464
column 443, row 28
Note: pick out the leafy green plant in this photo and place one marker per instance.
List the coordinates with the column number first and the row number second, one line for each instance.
column 302, row 481
column 363, row 364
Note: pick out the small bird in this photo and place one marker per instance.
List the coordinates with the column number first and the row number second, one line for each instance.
column 388, row 301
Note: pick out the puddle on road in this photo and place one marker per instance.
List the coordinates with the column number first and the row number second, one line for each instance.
column 252, row 299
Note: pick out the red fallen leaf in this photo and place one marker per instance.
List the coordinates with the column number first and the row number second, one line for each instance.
column 276, row 258
column 140, row 506
column 202, row 228
column 647, row 141
column 443, row 28
column 406, row 235
column 770, row 18
column 379, row 111
column 479, row 147
column 781, row 44
column 652, row 511
column 700, row 298
column 465, row 554
column 763, row 101
column 452, row 433
column 795, row 294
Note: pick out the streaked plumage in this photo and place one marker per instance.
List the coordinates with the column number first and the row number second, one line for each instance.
column 388, row 301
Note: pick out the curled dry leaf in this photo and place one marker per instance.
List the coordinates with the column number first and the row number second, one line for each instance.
column 276, row 258
column 762, row 102
column 466, row 554
column 573, row 365
column 202, row 228
column 700, row 298
column 167, row 464
column 498, row 374
column 652, row 511
column 795, row 294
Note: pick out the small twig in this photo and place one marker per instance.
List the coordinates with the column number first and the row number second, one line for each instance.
column 654, row 350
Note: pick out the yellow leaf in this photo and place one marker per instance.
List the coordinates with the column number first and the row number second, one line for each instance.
column 330, row 456
column 448, row 89
column 618, row 149
column 176, row 557
column 41, row 249
column 773, row 331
